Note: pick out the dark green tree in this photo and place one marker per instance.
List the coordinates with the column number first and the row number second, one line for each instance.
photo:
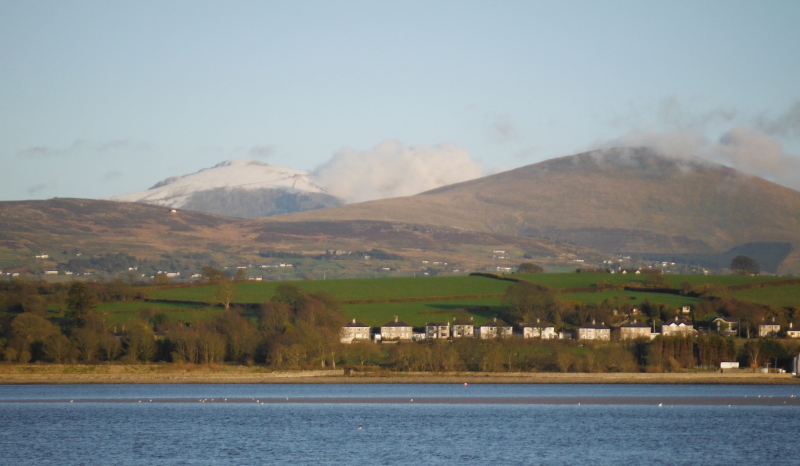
column 81, row 299
column 528, row 301
column 529, row 267
column 745, row 265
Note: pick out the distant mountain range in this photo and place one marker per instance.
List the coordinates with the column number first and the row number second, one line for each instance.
column 238, row 188
column 584, row 208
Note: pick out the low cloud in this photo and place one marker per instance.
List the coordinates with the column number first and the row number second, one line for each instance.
column 504, row 129
column 112, row 175
column 746, row 149
column 262, row 152
column 81, row 146
column 674, row 114
column 37, row 189
column 747, row 144
column 786, row 125
column 391, row 169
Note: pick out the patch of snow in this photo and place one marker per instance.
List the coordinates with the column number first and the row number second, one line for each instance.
column 231, row 174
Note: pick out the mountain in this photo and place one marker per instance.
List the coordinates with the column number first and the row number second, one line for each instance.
column 627, row 201
column 584, row 208
column 238, row 188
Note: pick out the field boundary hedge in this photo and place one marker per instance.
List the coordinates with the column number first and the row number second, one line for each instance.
column 750, row 286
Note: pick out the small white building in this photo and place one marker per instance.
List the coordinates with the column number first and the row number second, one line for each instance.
column 677, row 327
column 355, row 331
column 396, row 330
column 437, row 330
column 725, row 325
column 495, row 328
column 768, row 328
column 463, row 328
column 539, row 329
column 792, row 332
column 634, row 330
column 594, row 331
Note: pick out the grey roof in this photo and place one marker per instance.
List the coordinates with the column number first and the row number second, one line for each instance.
column 538, row 325
column 594, row 325
column 396, row 323
column 677, row 321
column 495, row 323
column 463, row 322
column 355, row 323
column 636, row 324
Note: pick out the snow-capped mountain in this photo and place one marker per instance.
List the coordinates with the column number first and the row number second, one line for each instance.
column 238, row 188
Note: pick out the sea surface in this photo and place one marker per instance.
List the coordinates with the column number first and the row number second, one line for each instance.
column 399, row 424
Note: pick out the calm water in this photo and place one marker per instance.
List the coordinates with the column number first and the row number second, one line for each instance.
column 177, row 432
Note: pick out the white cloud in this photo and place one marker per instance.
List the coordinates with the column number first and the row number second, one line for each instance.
column 748, row 150
column 756, row 152
column 391, row 169
column 787, row 125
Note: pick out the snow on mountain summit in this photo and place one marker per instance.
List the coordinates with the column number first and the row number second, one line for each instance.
column 232, row 174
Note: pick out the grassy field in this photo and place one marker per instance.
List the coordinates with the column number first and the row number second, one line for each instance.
column 561, row 281
column 348, row 290
column 776, row 296
column 418, row 310
column 633, row 298
column 120, row 313
column 420, row 313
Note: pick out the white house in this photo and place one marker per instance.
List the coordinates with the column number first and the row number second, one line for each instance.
column 539, row 329
column 495, row 328
column 396, row 330
column 355, row 331
column 634, row 330
column 725, row 325
column 437, row 330
column 768, row 328
column 594, row 331
column 677, row 327
column 792, row 332
column 463, row 328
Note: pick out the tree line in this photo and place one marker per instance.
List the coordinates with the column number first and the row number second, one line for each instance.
column 296, row 329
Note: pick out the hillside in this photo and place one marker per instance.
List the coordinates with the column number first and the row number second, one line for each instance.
column 622, row 201
column 65, row 229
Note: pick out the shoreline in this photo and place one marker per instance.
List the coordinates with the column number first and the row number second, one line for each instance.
column 169, row 374
column 661, row 401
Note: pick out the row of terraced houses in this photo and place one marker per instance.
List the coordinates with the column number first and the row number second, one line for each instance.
column 397, row 330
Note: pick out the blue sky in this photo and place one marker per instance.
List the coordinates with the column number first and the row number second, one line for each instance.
column 103, row 98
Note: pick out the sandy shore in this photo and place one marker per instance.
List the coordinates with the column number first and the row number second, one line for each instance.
column 661, row 401
column 176, row 374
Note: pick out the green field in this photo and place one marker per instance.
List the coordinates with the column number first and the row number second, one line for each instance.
column 348, row 290
column 776, row 296
column 421, row 312
column 561, row 281
column 417, row 310
column 632, row 298
column 119, row 313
